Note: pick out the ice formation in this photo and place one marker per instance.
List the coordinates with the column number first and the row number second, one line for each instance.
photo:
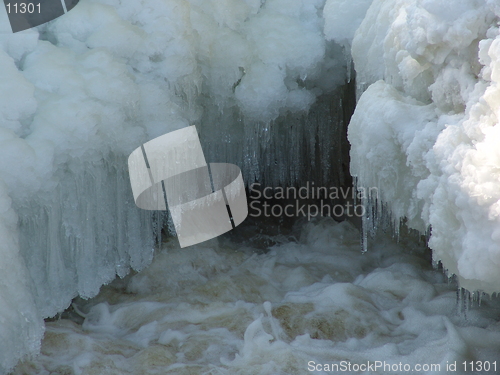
column 78, row 94
column 426, row 130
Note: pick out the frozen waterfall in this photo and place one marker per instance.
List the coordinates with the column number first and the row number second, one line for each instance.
column 269, row 86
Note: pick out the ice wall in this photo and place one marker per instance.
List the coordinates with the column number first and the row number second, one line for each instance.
column 78, row 94
column 426, row 130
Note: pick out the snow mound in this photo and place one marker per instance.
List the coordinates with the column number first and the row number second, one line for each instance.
column 424, row 131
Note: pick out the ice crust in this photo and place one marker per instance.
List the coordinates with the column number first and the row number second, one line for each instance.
column 426, row 128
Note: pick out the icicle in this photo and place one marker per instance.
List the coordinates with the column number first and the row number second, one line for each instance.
column 87, row 231
column 288, row 151
column 464, row 301
column 348, row 58
column 364, row 234
column 374, row 215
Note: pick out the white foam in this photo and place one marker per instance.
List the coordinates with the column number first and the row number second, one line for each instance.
column 214, row 309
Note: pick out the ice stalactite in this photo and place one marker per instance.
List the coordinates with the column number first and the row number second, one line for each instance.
column 83, row 234
column 289, row 151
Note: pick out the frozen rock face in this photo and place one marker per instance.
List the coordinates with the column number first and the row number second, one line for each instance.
column 426, row 130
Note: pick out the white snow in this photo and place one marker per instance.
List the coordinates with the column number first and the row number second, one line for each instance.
column 342, row 19
column 426, row 132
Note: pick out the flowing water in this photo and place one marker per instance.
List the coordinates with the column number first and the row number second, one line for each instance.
column 275, row 298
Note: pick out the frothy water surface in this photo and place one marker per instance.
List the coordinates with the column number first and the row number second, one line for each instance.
column 227, row 308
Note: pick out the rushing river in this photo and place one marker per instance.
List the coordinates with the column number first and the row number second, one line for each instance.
column 287, row 300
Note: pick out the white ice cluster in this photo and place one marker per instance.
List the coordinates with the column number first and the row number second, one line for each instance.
column 426, row 129
column 78, row 94
column 342, row 19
